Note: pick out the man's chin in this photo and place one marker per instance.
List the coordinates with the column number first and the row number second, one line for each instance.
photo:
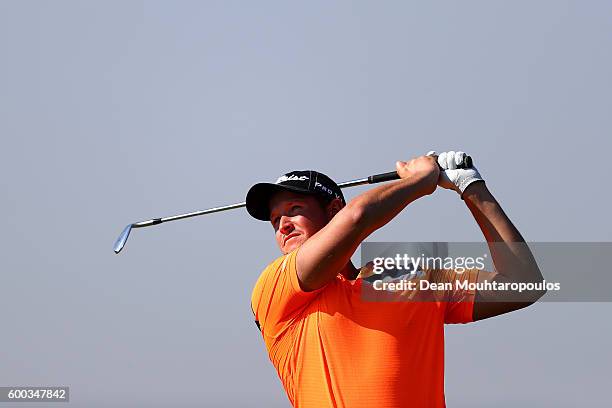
column 292, row 244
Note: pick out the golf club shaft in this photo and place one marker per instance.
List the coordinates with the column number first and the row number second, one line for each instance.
column 376, row 178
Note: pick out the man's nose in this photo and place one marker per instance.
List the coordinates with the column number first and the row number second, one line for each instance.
column 286, row 226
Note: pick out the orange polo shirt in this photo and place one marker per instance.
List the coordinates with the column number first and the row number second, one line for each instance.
column 335, row 347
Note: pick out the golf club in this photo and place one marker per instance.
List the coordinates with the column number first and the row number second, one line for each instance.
column 376, row 178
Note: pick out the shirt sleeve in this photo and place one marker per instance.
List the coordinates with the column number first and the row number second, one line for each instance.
column 460, row 301
column 277, row 299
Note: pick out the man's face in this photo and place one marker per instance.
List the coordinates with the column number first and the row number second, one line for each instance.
column 295, row 218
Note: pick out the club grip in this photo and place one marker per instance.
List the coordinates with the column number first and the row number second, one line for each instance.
column 392, row 175
column 379, row 178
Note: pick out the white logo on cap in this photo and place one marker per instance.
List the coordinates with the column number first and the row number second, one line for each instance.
column 324, row 188
column 290, row 178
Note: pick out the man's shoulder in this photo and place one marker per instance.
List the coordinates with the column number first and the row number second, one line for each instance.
column 272, row 268
column 276, row 262
column 281, row 261
column 266, row 278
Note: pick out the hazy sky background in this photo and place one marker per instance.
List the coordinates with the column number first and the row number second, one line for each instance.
column 113, row 112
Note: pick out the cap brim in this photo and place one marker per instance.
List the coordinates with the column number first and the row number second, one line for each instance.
column 258, row 198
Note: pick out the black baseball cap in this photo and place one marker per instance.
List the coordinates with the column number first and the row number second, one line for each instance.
column 299, row 181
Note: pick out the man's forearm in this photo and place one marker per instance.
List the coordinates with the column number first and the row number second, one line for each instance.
column 512, row 257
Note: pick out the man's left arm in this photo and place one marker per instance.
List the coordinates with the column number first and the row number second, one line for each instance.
column 513, row 260
column 511, row 256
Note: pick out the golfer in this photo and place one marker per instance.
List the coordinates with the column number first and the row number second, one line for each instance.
column 330, row 347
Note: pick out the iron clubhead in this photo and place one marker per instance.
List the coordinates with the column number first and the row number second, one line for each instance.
column 120, row 243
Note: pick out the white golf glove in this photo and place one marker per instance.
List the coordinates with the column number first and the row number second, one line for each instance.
column 454, row 178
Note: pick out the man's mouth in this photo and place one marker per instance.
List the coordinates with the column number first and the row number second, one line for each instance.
column 288, row 237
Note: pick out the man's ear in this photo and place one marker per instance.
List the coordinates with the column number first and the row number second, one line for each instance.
column 333, row 207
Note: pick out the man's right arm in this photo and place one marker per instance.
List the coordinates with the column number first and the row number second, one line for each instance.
column 330, row 249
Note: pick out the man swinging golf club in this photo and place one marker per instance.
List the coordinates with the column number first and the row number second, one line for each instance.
column 329, row 346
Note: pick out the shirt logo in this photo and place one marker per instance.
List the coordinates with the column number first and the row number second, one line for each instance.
column 292, row 177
